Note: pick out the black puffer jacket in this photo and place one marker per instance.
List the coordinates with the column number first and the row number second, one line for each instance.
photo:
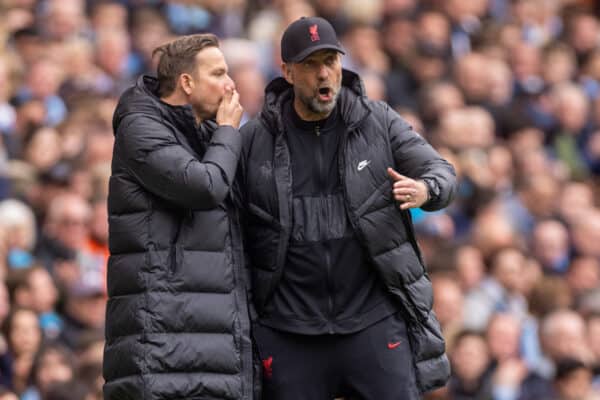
column 176, row 322
column 376, row 139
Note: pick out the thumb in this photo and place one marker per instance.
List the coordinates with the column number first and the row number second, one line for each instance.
column 395, row 175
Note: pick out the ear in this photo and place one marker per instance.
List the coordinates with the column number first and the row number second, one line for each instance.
column 187, row 83
column 288, row 74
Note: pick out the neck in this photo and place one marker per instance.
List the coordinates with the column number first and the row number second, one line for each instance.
column 305, row 114
column 178, row 98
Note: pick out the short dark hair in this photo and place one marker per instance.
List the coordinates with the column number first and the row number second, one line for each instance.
column 71, row 390
column 55, row 347
column 178, row 57
column 566, row 366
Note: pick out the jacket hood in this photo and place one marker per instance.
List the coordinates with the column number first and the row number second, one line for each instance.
column 352, row 101
column 142, row 98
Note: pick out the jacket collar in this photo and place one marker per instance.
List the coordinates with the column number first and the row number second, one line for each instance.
column 352, row 101
column 143, row 98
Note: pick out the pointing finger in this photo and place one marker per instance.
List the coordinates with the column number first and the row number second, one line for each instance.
column 395, row 175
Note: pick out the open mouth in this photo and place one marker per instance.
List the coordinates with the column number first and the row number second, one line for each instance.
column 325, row 94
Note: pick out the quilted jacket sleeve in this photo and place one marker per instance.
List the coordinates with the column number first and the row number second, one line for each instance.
column 417, row 159
column 154, row 157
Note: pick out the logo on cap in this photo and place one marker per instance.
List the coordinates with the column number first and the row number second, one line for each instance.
column 314, row 33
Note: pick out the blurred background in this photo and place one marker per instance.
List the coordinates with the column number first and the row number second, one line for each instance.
column 507, row 90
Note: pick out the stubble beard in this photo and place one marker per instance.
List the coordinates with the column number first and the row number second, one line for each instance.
column 315, row 106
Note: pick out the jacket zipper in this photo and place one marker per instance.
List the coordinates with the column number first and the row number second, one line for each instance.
column 320, row 163
column 326, row 249
column 237, row 263
column 329, row 288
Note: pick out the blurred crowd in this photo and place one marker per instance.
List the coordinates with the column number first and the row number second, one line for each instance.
column 507, row 90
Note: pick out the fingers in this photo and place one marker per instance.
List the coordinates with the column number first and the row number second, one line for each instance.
column 404, row 187
column 406, row 183
column 395, row 175
column 227, row 96
column 226, row 99
column 404, row 193
column 235, row 98
column 238, row 109
column 407, row 201
column 409, row 204
column 408, row 192
column 230, row 110
column 408, row 198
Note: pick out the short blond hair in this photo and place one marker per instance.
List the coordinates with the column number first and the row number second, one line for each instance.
column 16, row 213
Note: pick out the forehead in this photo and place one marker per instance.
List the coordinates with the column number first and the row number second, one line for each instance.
column 210, row 57
column 321, row 55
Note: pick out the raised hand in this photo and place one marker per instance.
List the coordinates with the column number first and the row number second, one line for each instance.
column 409, row 192
column 230, row 110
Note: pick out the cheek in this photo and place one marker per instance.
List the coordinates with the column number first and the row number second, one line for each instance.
column 338, row 78
column 218, row 86
column 216, row 97
column 307, row 85
column 217, row 90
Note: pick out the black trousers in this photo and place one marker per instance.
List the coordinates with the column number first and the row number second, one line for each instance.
column 373, row 364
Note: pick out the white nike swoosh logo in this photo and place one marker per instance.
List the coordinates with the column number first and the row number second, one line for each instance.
column 363, row 164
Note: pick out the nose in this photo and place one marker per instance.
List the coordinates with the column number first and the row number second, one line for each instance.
column 323, row 72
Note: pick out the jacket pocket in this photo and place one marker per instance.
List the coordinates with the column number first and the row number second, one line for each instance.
column 262, row 232
column 260, row 214
column 261, row 240
column 175, row 258
column 175, row 250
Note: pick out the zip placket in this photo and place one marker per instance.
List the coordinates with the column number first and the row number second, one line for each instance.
column 326, row 247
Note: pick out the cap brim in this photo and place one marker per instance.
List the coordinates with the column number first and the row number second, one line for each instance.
column 307, row 52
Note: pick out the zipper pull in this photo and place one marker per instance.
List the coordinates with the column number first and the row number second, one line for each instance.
column 317, row 130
